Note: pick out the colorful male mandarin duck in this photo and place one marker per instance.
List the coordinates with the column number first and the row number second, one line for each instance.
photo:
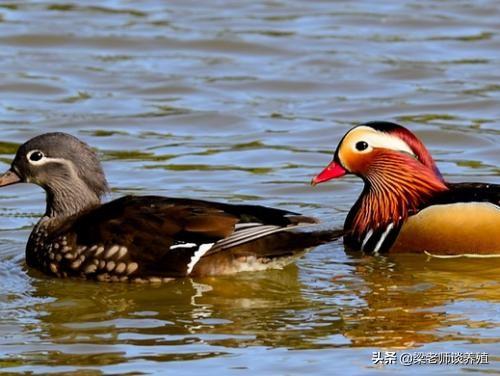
column 145, row 238
column 406, row 205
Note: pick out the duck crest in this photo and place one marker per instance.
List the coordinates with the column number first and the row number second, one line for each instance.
column 396, row 186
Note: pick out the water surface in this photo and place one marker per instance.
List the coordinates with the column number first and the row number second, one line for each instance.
column 245, row 102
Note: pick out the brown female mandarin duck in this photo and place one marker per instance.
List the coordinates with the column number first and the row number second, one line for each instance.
column 406, row 205
column 144, row 238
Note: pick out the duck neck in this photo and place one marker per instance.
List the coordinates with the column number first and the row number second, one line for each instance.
column 64, row 200
column 394, row 188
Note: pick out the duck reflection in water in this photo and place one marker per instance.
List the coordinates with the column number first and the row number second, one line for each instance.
column 395, row 302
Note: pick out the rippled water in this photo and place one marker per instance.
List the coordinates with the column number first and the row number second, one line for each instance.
column 244, row 102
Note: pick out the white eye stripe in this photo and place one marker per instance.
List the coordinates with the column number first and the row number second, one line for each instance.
column 45, row 160
column 35, row 162
column 376, row 139
column 70, row 167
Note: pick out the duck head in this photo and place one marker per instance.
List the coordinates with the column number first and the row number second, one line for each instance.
column 364, row 146
column 398, row 171
column 65, row 167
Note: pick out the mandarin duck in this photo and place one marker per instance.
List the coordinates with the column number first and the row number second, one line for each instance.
column 145, row 238
column 406, row 205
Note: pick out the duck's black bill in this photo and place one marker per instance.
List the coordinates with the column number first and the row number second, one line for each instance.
column 8, row 178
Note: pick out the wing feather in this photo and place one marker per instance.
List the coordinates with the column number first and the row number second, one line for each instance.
column 165, row 236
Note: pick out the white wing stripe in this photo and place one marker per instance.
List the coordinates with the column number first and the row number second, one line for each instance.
column 247, row 235
column 382, row 237
column 240, row 226
column 197, row 256
column 250, row 238
column 367, row 237
column 183, row 245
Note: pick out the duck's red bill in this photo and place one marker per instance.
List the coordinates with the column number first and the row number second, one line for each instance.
column 8, row 178
column 332, row 171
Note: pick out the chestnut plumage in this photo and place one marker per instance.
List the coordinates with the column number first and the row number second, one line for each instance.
column 145, row 238
column 406, row 205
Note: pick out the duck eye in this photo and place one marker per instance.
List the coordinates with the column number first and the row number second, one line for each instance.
column 35, row 155
column 361, row 145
